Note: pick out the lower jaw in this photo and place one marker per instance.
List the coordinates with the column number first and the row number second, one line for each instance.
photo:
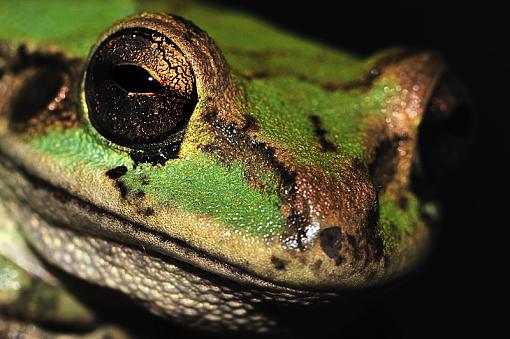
column 166, row 287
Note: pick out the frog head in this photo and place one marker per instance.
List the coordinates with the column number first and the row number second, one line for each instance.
column 286, row 169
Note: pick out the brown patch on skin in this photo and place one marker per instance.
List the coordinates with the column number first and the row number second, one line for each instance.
column 38, row 90
column 321, row 134
column 279, row 264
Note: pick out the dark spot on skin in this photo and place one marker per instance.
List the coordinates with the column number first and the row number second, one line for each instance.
column 288, row 178
column 316, row 265
column 383, row 167
column 403, row 203
column 116, row 172
column 257, row 74
column 210, row 117
column 331, row 243
column 364, row 83
column 331, row 86
column 353, row 243
column 140, row 194
column 149, row 211
column 210, row 148
column 297, row 220
column 376, row 251
column 250, row 123
column 36, row 94
column 41, row 94
column 156, row 156
column 278, row 263
column 26, row 59
column 260, row 74
column 122, row 189
column 321, row 134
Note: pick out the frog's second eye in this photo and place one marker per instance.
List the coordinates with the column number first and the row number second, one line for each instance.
column 139, row 88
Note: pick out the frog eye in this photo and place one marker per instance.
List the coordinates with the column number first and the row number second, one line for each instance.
column 139, row 88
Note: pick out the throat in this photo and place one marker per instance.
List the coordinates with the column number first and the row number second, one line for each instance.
column 166, row 287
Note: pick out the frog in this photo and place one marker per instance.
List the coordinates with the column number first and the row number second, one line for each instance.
column 208, row 166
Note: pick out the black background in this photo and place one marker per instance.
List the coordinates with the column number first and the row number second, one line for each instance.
column 462, row 289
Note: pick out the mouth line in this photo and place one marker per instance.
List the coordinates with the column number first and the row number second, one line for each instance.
column 228, row 271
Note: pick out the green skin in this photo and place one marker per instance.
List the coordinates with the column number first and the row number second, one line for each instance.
column 339, row 223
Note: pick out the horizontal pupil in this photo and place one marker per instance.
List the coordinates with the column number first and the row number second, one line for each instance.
column 135, row 79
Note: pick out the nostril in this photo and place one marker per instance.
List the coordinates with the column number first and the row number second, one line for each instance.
column 446, row 130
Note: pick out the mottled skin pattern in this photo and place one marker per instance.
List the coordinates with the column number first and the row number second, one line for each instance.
column 290, row 183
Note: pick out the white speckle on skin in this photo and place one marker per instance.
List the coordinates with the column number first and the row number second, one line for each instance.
column 311, row 232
